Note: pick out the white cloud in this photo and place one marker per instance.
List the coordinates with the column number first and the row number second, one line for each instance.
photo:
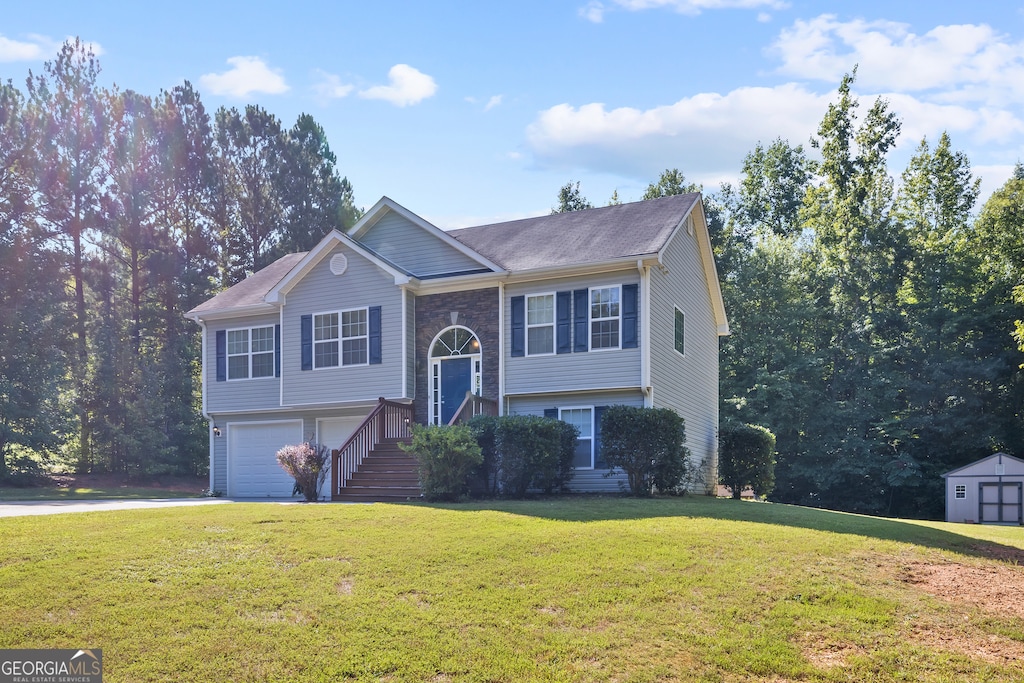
column 595, row 10
column 248, row 75
column 406, row 86
column 37, row 48
column 493, row 102
column 705, row 134
column 329, row 86
column 966, row 63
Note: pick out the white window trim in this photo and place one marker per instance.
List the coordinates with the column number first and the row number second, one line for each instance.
column 476, row 380
column 591, row 319
column 960, row 491
column 592, row 410
column 341, row 339
column 325, row 341
column 552, row 324
column 679, row 310
column 249, row 354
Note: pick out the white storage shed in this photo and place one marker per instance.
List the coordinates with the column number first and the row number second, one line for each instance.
column 988, row 491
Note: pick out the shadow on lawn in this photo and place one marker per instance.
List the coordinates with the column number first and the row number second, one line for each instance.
column 592, row 508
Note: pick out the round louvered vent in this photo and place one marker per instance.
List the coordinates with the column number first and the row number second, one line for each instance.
column 339, row 263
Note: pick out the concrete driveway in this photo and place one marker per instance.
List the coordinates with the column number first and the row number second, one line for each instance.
column 21, row 508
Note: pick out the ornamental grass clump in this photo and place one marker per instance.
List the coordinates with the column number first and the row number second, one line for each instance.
column 307, row 464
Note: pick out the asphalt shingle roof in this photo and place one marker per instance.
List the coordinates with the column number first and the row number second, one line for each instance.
column 251, row 290
column 563, row 239
column 578, row 237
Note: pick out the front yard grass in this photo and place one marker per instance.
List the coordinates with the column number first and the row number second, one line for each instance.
column 573, row 589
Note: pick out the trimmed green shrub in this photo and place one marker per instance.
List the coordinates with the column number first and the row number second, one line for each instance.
column 746, row 457
column 483, row 479
column 532, row 451
column 446, row 456
column 646, row 444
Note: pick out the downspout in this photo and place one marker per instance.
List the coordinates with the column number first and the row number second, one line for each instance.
column 501, row 348
column 280, row 353
column 202, row 393
column 645, row 334
column 405, row 342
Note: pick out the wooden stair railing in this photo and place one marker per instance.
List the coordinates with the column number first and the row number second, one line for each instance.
column 388, row 420
column 472, row 406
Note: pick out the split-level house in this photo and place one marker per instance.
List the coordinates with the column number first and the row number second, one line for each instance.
column 396, row 322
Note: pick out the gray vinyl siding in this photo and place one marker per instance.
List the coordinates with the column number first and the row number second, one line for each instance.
column 362, row 284
column 589, row 481
column 414, row 249
column 686, row 383
column 219, row 463
column 603, row 369
column 242, row 394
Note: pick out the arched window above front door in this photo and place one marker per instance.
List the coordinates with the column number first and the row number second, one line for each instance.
column 455, row 341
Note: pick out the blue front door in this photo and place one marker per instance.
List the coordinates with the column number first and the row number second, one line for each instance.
column 456, row 380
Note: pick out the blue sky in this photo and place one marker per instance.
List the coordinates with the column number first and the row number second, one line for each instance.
column 471, row 112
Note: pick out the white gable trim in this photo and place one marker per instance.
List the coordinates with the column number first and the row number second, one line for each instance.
column 386, row 205
column 707, row 257
column 317, row 254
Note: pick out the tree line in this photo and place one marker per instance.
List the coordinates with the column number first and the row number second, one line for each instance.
column 876, row 325
column 119, row 212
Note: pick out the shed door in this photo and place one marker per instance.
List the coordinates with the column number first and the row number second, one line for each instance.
column 1001, row 502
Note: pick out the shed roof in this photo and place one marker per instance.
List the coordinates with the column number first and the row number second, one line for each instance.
column 979, row 464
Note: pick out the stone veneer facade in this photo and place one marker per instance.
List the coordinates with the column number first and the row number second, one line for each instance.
column 478, row 311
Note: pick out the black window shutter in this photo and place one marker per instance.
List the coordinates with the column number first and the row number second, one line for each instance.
column 551, row 412
column 375, row 335
column 307, row 342
column 563, row 322
column 277, row 350
column 519, row 326
column 222, row 355
column 599, row 461
column 629, row 317
column 581, row 319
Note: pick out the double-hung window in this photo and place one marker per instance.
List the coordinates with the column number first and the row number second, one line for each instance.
column 583, row 419
column 605, row 317
column 250, row 352
column 341, row 338
column 325, row 340
column 354, row 337
column 961, row 491
column 540, row 324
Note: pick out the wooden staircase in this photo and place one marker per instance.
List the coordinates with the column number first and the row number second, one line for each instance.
column 386, row 474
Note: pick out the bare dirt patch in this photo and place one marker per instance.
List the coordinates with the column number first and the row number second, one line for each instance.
column 993, row 588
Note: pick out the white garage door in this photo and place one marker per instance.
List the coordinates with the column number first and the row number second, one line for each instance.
column 253, row 471
column 333, row 432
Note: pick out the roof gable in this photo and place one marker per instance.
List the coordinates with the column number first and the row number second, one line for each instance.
column 982, row 463
column 417, row 246
column 275, row 294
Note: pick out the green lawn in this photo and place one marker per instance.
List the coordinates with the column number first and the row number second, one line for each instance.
column 575, row 589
